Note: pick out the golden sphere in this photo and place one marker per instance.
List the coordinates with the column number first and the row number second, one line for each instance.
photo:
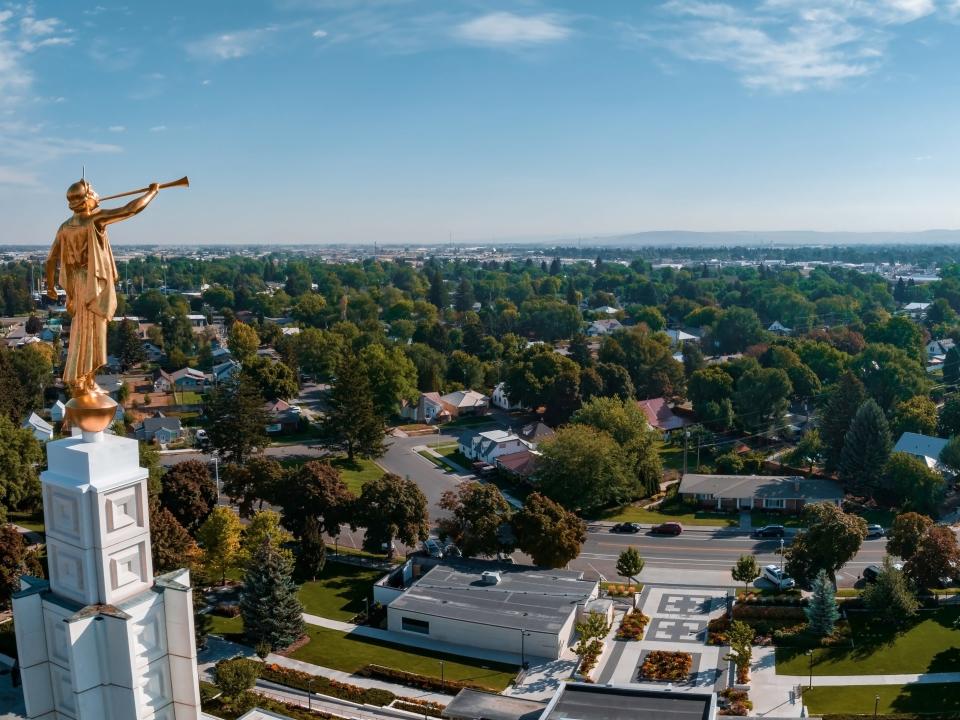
column 92, row 411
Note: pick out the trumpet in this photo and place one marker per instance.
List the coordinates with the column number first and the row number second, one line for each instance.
column 182, row 182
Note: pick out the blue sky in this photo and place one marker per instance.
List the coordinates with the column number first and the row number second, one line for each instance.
column 414, row 121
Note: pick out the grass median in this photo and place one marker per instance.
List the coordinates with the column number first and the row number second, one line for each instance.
column 940, row 698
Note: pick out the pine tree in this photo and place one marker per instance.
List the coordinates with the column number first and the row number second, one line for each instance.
column 847, row 398
column 951, row 367
column 438, row 291
column 352, row 418
column 900, row 291
column 238, row 409
column 272, row 613
column 866, row 449
column 555, row 266
column 822, row 612
column 464, row 297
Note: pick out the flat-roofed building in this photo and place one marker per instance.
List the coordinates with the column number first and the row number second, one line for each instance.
column 578, row 701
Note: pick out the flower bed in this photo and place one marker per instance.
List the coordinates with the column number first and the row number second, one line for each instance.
column 588, row 661
column 618, row 590
column 669, row 666
column 632, row 626
column 789, row 598
column 420, row 707
column 379, row 672
column 766, row 612
column 735, row 702
column 325, row 686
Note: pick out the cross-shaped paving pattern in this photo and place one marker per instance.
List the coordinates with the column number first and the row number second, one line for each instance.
column 665, row 630
column 678, row 604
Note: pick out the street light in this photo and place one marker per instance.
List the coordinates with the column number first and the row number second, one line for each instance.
column 810, row 655
column 876, row 702
column 781, row 559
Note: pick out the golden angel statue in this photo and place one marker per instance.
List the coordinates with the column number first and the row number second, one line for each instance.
column 88, row 274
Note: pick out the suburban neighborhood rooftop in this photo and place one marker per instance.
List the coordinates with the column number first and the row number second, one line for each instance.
column 787, row 487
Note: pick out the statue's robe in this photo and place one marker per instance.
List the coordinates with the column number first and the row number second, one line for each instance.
column 89, row 276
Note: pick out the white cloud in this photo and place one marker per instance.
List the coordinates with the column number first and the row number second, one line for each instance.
column 158, row 128
column 320, row 33
column 790, row 45
column 18, row 177
column 117, row 128
column 231, row 45
column 499, row 29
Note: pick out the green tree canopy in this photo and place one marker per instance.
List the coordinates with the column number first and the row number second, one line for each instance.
column 866, row 449
column 546, row 532
column 479, row 515
column 390, row 508
column 831, row 539
column 583, row 468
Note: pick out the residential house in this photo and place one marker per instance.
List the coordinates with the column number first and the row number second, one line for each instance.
column 110, row 384
column 535, row 433
column 153, row 353
column 679, row 337
column 778, row 328
column 159, row 428
column 42, row 430
column 282, row 417
column 489, row 445
column 603, row 327
column 429, row 408
column 660, row 415
column 58, row 411
column 766, row 492
column 522, row 463
column 224, row 371
column 197, row 322
column 184, row 379
column 220, row 355
column 924, row 447
column 465, row 402
column 915, row 310
column 937, row 349
column 500, row 399
column 606, row 310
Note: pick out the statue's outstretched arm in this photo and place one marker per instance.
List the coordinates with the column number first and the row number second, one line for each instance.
column 107, row 217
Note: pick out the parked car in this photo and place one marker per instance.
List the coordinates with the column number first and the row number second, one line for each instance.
column 626, row 528
column 452, row 551
column 667, row 528
column 774, row 531
column 875, row 531
column 780, row 580
column 872, row 572
column 433, row 548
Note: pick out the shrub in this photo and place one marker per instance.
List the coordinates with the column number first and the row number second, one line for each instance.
column 632, row 626
column 735, row 702
column 325, row 686
column 665, row 665
column 763, row 612
column 420, row 707
column 230, row 610
column 588, row 660
column 379, row 672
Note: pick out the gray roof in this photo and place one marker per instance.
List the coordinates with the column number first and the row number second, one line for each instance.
column 920, row 445
column 525, row 598
column 152, row 424
column 784, row 487
column 594, row 702
column 476, row 705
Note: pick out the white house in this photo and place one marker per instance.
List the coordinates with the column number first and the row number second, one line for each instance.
column 487, row 446
column 939, row 348
column 500, row 399
column 606, row 310
column 42, row 430
column 603, row 327
column 58, row 411
column 679, row 337
column 778, row 328
column 916, row 310
column 925, row 447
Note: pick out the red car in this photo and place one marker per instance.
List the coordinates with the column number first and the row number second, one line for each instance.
column 668, row 528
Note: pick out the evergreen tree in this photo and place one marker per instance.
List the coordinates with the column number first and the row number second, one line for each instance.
column 272, row 613
column 238, row 409
column 846, row 399
column 951, row 367
column 464, row 297
column 438, row 291
column 312, row 551
column 127, row 345
column 555, row 266
column 866, row 449
column 900, row 291
column 572, row 296
column 693, row 359
column 822, row 612
column 580, row 350
column 352, row 418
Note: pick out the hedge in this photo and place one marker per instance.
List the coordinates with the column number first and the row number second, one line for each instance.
column 379, row 672
column 325, row 686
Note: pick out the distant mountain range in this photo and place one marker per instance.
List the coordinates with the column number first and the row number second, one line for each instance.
column 680, row 238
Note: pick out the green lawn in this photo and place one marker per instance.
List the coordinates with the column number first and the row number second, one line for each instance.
column 337, row 650
column 357, row 472
column 930, row 643
column 229, row 628
column 938, row 698
column 453, row 453
column 340, row 592
column 471, row 421
column 187, row 397
column 672, row 512
column 672, row 457
column 31, row 521
column 441, row 462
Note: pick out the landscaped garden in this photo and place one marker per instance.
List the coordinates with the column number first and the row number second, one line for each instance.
column 632, row 626
column 938, row 698
column 340, row 591
column 667, row 666
column 351, row 653
column 929, row 642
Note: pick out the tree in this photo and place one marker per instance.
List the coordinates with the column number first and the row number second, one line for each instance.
column 693, row 359
column 479, row 514
column 917, row 415
column 171, row 545
column 243, row 342
column 189, row 493
column 740, row 636
column 746, row 570
column 866, row 449
column 541, row 377
column 948, row 420
column 20, row 455
column 845, row 400
column 584, row 468
column 464, row 297
column 219, row 537
column 272, row 613
column 127, row 345
column 391, row 507
column 33, row 367
column 951, row 366
column 273, row 380
column 890, row 597
column 438, row 296
column 628, row 426
column 909, row 483
column 312, row 551
column 908, row 529
column 937, row 556
column 546, row 532
column 890, row 374
column 630, row 564
column 831, row 540
column 310, row 309
column 710, row 390
column 391, row 375
column 808, row 449
column 761, row 397
column 264, row 527
column 315, row 491
column 352, row 418
column 241, row 420
column 16, row 559
column 737, row 329
column 235, row 677
column 259, row 479
column 822, row 612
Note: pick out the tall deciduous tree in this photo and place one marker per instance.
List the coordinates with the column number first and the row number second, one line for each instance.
column 189, row 493
column 761, row 397
column 821, row 611
column 866, row 449
column 20, row 454
column 478, row 516
column 390, row 508
column 830, row 541
column 905, row 534
column 909, row 483
column 127, row 345
column 582, row 468
column 272, row 613
column 315, row 491
column 891, row 598
column 845, row 400
column 16, row 559
column 219, row 538
column 951, row 366
column 240, row 419
column 264, row 526
column 170, row 544
column 547, row 533
column 352, row 418
column 917, row 415
column 274, row 380
column 391, row 375
column 937, row 556
column 243, row 341
column 259, row 479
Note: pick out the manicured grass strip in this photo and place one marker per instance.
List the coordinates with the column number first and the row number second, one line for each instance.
column 683, row 514
column 340, row 651
column 228, row 628
column 30, row 521
column 357, row 472
column 928, row 643
column 340, row 591
column 453, row 453
column 859, row 699
column 433, row 458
